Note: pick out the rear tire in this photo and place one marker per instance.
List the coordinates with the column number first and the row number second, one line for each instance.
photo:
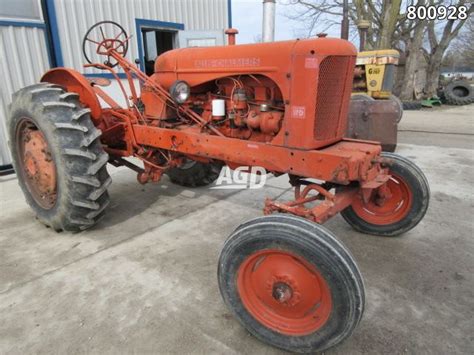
column 77, row 196
column 194, row 174
column 400, row 213
column 291, row 284
column 459, row 93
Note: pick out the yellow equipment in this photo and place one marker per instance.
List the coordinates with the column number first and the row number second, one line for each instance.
column 374, row 112
column 374, row 73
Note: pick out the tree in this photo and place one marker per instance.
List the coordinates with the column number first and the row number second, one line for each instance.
column 405, row 84
column 323, row 14
column 440, row 36
column 391, row 28
column 461, row 53
column 464, row 44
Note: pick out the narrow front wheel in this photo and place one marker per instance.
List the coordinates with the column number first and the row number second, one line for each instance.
column 291, row 283
column 401, row 207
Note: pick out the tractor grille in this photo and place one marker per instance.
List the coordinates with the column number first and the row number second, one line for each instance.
column 332, row 97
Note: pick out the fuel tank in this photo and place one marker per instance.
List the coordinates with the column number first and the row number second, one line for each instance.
column 274, row 59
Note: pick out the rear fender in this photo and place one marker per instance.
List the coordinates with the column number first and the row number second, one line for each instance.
column 73, row 81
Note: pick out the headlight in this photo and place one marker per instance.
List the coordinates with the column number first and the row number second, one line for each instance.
column 180, row 91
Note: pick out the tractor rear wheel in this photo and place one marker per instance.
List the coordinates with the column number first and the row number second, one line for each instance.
column 409, row 195
column 459, row 93
column 194, row 174
column 290, row 283
column 58, row 157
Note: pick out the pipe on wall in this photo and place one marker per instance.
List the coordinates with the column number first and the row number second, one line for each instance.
column 268, row 28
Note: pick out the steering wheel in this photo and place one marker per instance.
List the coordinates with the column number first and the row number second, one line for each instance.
column 97, row 36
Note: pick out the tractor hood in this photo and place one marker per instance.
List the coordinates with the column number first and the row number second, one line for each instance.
column 200, row 65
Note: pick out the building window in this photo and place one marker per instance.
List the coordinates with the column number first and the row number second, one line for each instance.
column 21, row 10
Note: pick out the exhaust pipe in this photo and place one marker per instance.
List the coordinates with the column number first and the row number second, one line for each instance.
column 268, row 28
column 345, row 20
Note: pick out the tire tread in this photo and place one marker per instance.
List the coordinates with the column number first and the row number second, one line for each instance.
column 76, row 145
column 306, row 236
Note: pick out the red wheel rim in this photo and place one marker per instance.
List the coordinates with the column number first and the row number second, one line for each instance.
column 386, row 211
column 284, row 292
column 36, row 163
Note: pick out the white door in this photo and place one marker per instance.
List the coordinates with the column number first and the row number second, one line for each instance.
column 200, row 38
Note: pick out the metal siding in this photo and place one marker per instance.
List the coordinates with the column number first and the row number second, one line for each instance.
column 23, row 60
column 75, row 17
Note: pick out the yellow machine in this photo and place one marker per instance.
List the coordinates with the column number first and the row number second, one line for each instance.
column 375, row 112
column 374, row 73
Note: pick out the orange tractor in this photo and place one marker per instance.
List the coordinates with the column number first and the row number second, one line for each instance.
column 282, row 106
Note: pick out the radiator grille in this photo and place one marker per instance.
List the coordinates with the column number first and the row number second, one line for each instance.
column 331, row 97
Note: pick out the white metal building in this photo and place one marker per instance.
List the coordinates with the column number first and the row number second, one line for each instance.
column 36, row 35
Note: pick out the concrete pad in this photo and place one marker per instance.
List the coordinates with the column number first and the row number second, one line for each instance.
column 444, row 119
column 446, row 126
column 144, row 280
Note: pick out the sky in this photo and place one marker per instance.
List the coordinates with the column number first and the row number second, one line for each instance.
column 247, row 18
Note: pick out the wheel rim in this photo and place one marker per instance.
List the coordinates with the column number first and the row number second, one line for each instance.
column 391, row 210
column 36, row 163
column 284, row 292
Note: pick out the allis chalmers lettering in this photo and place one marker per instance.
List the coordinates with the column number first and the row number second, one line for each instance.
column 227, row 63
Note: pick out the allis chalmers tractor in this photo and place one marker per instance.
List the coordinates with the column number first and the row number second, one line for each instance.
column 282, row 106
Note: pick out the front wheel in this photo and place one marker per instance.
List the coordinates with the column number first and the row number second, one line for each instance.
column 398, row 212
column 291, row 283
